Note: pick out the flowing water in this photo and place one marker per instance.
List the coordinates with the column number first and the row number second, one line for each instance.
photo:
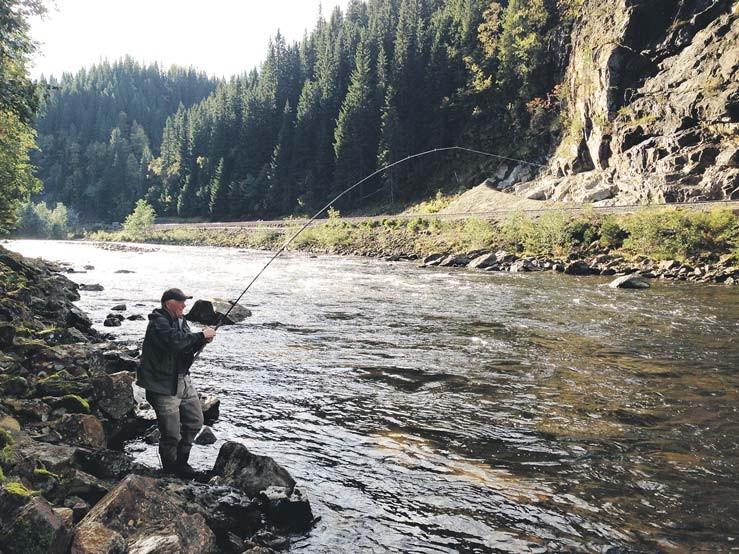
column 447, row 410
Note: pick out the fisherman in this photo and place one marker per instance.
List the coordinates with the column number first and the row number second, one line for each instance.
column 168, row 352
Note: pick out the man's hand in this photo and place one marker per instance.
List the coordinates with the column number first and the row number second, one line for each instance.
column 209, row 333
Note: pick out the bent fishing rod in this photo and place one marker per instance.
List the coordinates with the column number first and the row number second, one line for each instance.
column 287, row 243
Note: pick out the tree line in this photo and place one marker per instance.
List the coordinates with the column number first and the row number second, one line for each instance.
column 364, row 88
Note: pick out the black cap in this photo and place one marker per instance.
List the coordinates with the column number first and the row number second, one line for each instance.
column 174, row 294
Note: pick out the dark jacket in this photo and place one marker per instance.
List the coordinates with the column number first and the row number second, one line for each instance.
column 168, row 351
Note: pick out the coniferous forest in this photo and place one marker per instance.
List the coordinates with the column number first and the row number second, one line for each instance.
column 366, row 87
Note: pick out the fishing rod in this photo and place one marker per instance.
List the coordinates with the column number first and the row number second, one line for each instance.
column 347, row 191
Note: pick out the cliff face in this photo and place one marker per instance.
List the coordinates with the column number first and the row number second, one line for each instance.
column 652, row 105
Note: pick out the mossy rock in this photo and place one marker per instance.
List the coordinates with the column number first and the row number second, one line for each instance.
column 72, row 403
column 10, row 424
column 62, row 384
column 18, row 489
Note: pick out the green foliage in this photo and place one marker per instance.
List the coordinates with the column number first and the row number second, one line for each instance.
column 37, row 220
column 677, row 234
column 141, row 220
column 612, row 235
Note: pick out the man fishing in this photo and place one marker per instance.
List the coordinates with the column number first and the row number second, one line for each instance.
column 168, row 352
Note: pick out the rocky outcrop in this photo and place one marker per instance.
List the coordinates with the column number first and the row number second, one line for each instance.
column 652, row 105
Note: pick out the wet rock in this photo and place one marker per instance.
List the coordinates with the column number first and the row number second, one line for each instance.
column 212, row 312
column 206, row 436
column 119, row 308
column 136, row 317
column 33, row 527
column 153, row 435
column 287, row 509
column 124, row 271
column 88, row 267
column 85, row 488
column 74, row 335
column 105, row 464
column 227, row 510
column 633, row 281
column 91, row 288
column 77, row 318
column 29, row 454
column 239, row 468
column 70, row 403
column 112, row 322
column 147, row 519
column 211, row 408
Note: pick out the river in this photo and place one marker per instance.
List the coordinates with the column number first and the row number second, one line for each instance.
column 455, row 411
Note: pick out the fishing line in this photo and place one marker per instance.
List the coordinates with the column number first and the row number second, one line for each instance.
column 347, row 191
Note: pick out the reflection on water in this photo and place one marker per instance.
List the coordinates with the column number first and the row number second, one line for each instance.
column 441, row 411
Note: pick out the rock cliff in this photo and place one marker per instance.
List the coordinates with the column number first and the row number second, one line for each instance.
column 651, row 105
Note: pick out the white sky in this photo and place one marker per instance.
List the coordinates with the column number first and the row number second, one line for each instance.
column 220, row 37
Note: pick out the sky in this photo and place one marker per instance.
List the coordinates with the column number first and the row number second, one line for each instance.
column 220, row 37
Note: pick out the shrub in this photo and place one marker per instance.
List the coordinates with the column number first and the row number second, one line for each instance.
column 612, row 235
column 141, row 220
column 37, row 220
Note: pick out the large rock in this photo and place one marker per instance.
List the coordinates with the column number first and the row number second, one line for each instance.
column 106, row 464
column 212, row 312
column 81, row 430
column 239, row 468
column 287, row 509
column 114, row 393
column 63, row 383
column 483, row 261
column 33, row 527
column 146, row 519
column 632, row 281
column 211, row 408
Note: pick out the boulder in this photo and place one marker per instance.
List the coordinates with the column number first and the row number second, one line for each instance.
column 212, row 312
column 146, row 519
column 119, row 308
column 27, row 455
column 206, row 436
column 136, row 317
column 521, row 266
column 107, row 464
column 14, row 386
column 124, row 271
column 633, row 281
column 85, row 488
column 78, row 319
column 433, row 259
column 33, row 527
column 95, row 538
column 483, row 261
column 63, row 383
column 7, row 334
column 239, row 468
column 114, row 393
column 79, row 507
column 28, row 410
column 286, row 509
column 211, row 408
column 81, row 430
column 454, row 260
column 116, row 361
column 91, row 288
column 578, row 267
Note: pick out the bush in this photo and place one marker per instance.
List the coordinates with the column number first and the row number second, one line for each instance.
column 612, row 235
column 37, row 220
column 141, row 220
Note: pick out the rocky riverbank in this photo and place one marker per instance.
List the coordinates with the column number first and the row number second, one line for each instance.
column 67, row 405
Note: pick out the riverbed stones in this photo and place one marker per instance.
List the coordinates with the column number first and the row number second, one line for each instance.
column 112, row 322
column 633, row 281
column 119, row 308
column 146, row 519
